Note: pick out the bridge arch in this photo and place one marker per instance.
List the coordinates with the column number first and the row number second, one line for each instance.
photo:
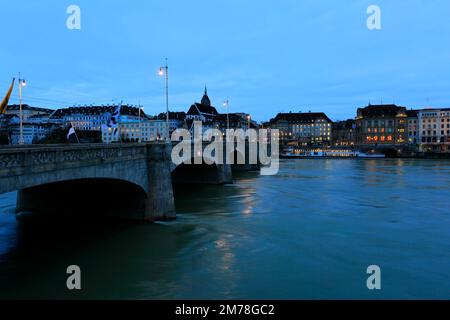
column 241, row 162
column 201, row 173
column 92, row 198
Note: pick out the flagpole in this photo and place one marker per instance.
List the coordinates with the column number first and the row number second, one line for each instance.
column 118, row 123
column 76, row 135
column 4, row 103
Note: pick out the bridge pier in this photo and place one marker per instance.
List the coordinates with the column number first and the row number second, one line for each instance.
column 245, row 167
column 224, row 174
column 159, row 204
column 216, row 174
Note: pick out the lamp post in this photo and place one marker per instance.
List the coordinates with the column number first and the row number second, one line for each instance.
column 162, row 71
column 140, row 127
column 22, row 83
column 226, row 103
column 248, row 121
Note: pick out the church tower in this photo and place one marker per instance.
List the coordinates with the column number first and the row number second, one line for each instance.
column 205, row 100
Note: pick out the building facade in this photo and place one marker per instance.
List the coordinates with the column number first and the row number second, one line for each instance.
column 343, row 133
column 312, row 128
column 413, row 127
column 234, row 121
column 92, row 118
column 381, row 125
column 203, row 112
column 32, row 132
column 6, row 120
column 27, row 111
column 176, row 120
column 434, row 130
column 135, row 131
column 36, row 124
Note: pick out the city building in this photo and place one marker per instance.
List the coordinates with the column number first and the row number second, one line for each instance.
column 343, row 133
column 265, row 125
column 434, row 130
column 413, row 127
column 6, row 120
column 309, row 128
column 176, row 120
column 235, row 121
column 92, row 118
column 204, row 112
column 32, row 132
column 36, row 124
column 381, row 125
column 143, row 131
column 27, row 111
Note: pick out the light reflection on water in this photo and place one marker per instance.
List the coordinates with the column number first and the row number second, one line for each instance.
column 309, row 232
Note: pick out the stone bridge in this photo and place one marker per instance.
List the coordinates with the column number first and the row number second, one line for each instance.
column 93, row 180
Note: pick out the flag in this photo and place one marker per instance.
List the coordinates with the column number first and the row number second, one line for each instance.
column 4, row 104
column 72, row 135
column 114, row 119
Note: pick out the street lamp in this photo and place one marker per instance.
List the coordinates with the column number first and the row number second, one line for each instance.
column 162, row 71
column 248, row 121
column 226, row 103
column 140, row 130
column 22, row 83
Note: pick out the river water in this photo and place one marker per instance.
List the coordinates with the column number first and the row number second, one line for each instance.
column 309, row 232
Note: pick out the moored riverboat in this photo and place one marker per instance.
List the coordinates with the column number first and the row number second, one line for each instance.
column 320, row 153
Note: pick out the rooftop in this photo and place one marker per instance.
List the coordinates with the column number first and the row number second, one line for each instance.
column 203, row 109
column 173, row 116
column 302, row 117
column 97, row 110
column 381, row 110
column 28, row 107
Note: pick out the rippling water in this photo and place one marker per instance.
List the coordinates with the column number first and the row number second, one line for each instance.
column 309, row 232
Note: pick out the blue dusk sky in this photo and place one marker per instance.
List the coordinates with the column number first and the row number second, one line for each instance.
column 266, row 56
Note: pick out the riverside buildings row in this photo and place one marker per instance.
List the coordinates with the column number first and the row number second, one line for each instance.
column 425, row 130
column 89, row 122
column 381, row 126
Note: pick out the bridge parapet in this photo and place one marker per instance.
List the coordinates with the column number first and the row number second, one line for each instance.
column 32, row 160
column 35, row 157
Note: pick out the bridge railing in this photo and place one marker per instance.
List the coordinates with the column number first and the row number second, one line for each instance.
column 16, row 160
